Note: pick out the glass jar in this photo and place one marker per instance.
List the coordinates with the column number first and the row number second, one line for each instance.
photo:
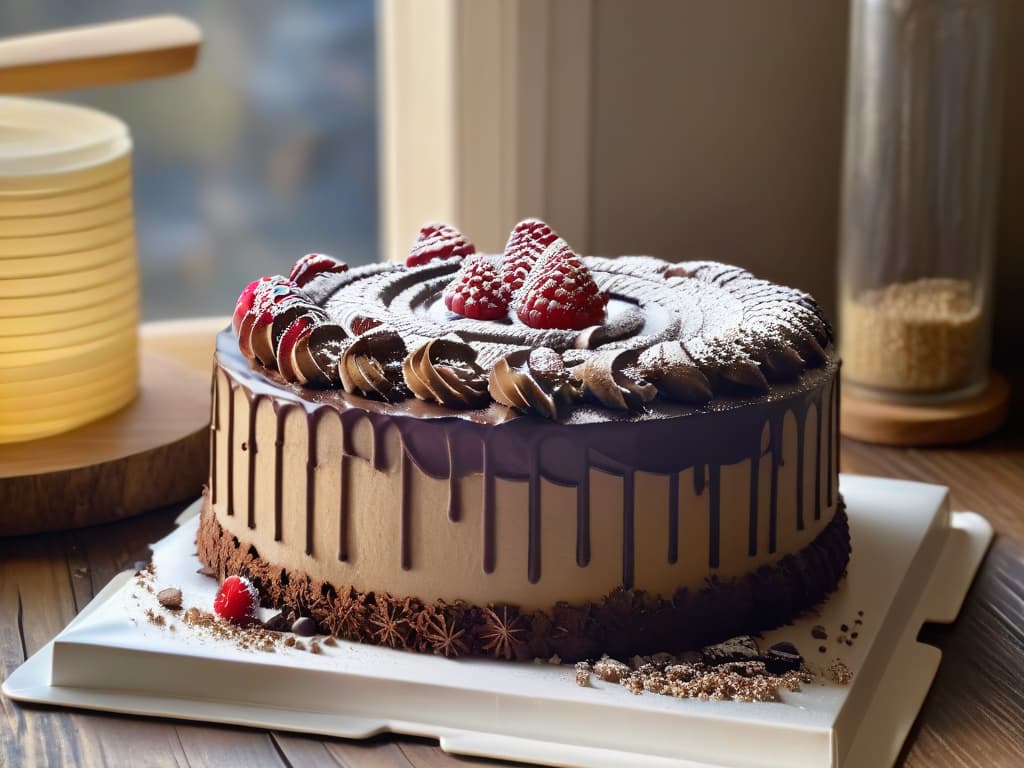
column 919, row 197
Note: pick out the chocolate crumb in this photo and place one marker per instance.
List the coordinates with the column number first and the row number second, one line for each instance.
column 854, row 635
column 822, row 649
column 329, row 640
column 839, row 672
column 276, row 623
column 849, row 641
column 154, row 617
column 783, row 657
column 860, row 613
column 818, row 632
column 735, row 681
column 289, row 641
column 170, row 598
column 741, row 648
column 690, row 657
column 304, row 627
column 582, row 674
column 610, row 670
column 844, row 628
column 858, row 622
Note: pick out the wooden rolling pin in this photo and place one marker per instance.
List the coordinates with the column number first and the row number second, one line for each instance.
column 98, row 54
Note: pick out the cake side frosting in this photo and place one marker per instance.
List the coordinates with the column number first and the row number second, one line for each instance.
column 527, row 510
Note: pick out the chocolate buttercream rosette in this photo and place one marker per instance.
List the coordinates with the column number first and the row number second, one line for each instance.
column 682, row 334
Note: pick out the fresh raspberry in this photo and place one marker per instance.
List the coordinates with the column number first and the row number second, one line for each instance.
column 266, row 292
column 236, row 600
column 312, row 264
column 527, row 242
column 560, row 292
column 244, row 303
column 438, row 241
column 476, row 290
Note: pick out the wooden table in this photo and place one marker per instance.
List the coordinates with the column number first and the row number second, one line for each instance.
column 974, row 715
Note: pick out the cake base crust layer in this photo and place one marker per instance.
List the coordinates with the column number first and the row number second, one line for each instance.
column 623, row 623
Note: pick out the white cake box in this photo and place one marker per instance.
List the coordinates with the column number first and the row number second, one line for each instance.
column 111, row 657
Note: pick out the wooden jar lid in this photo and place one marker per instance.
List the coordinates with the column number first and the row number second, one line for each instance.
column 905, row 424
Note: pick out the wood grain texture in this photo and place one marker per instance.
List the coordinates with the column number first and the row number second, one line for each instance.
column 971, row 717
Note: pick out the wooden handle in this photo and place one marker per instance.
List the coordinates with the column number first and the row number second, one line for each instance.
column 98, row 54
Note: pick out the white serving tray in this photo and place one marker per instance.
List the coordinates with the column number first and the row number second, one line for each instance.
column 111, row 658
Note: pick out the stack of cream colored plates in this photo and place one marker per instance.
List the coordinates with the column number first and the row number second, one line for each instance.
column 69, row 284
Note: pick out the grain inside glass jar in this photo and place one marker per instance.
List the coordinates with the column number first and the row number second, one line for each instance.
column 918, row 336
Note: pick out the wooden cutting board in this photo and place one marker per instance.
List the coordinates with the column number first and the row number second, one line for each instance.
column 151, row 454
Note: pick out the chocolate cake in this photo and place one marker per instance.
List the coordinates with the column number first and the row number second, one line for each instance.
column 527, row 454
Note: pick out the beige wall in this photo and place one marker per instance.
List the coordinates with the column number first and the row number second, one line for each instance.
column 718, row 134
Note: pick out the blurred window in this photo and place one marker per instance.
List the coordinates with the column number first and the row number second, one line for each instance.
column 268, row 150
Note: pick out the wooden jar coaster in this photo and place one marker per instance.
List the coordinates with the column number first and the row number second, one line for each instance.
column 905, row 424
column 150, row 454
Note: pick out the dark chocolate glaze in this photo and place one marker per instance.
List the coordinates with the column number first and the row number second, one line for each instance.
column 583, row 522
column 311, row 465
column 214, row 429
column 489, row 544
column 673, row 518
column 251, row 447
column 775, row 448
column 817, row 456
column 526, row 448
column 628, row 530
column 755, row 502
column 343, row 510
column 839, row 430
column 280, row 413
column 828, row 440
column 454, row 506
column 801, row 419
column 231, row 444
column 406, row 515
column 533, row 558
column 714, row 514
